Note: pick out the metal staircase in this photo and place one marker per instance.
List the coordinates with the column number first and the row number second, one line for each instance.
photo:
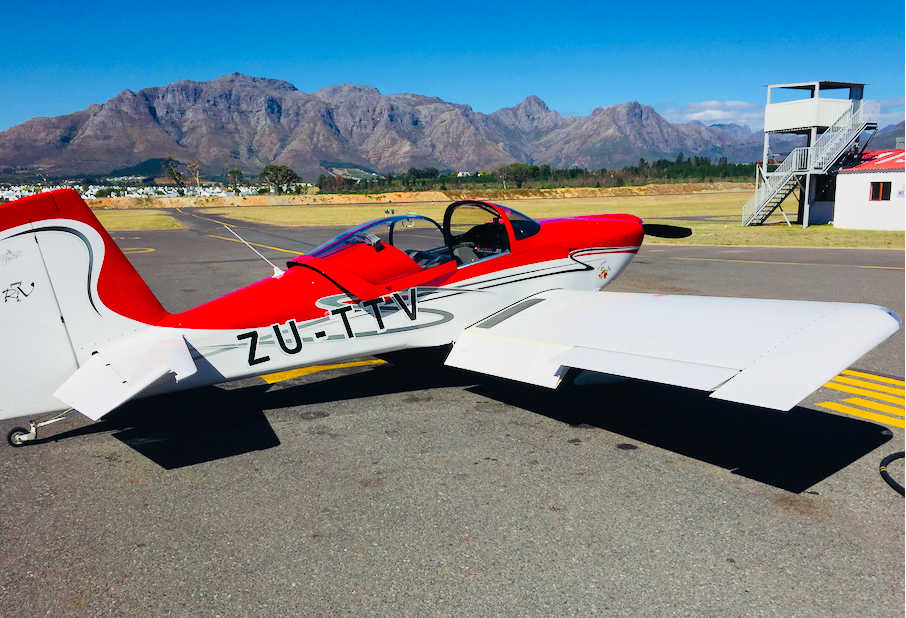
column 817, row 159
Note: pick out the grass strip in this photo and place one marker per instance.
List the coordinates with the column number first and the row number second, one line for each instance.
column 137, row 220
column 714, row 219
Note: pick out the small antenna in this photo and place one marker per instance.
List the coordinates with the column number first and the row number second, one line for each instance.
column 277, row 272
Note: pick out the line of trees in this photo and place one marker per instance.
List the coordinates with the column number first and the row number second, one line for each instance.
column 279, row 178
column 522, row 175
column 283, row 179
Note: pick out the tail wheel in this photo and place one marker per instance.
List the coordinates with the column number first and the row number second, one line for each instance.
column 15, row 435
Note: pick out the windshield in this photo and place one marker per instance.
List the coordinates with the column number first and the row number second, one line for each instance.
column 418, row 237
column 523, row 225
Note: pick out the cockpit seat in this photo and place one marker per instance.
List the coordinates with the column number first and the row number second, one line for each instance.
column 464, row 255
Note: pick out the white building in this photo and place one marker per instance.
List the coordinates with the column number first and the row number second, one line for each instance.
column 871, row 194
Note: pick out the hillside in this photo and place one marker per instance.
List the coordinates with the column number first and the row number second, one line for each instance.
column 248, row 122
column 887, row 137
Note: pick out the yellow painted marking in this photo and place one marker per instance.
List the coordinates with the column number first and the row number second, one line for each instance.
column 869, row 385
column 866, row 393
column 871, row 416
column 254, row 244
column 273, row 378
column 871, row 376
column 134, row 250
column 787, row 263
column 192, row 214
column 874, row 405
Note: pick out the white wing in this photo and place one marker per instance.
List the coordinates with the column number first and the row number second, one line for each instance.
column 769, row 353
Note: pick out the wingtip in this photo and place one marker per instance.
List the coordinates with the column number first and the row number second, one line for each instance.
column 894, row 316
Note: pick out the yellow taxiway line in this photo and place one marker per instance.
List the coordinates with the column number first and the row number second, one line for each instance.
column 864, row 393
column 875, row 387
column 254, row 244
column 870, row 416
column 867, row 386
column 874, row 405
column 870, row 376
column 273, row 378
column 192, row 214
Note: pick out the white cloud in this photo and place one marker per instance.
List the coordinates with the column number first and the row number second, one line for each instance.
column 718, row 112
column 751, row 114
column 892, row 112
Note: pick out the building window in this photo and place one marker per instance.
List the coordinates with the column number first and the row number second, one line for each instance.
column 880, row 191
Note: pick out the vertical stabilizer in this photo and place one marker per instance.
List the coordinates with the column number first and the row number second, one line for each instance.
column 67, row 290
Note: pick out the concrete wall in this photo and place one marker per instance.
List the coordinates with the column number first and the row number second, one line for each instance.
column 855, row 211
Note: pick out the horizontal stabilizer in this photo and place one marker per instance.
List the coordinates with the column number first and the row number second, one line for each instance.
column 118, row 373
column 705, row 343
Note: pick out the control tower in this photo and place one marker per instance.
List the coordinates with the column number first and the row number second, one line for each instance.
column 832, row 128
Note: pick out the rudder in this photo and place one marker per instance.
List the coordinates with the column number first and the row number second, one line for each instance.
column 67, row 290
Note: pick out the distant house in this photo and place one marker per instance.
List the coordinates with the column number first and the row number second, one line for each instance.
column 871, row 193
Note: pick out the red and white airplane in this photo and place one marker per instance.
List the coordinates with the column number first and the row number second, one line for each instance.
column 518, row 299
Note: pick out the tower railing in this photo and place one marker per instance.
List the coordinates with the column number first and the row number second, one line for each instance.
column 796, row 162
column 839, row 136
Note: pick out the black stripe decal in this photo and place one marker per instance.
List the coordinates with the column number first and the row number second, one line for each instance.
column 561, row 272
column 69, row 230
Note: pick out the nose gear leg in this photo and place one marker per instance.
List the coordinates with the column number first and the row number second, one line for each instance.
column 18, row 436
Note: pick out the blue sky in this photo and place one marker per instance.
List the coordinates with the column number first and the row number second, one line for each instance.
column 689, row 60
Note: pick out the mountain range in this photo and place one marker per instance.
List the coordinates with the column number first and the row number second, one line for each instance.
column 243, row 122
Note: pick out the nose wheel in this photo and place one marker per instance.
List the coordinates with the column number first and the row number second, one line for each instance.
column 19, row 436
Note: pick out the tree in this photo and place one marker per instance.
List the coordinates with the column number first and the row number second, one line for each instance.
column 235, row 177
column 545, row 172
column 195, row 173
column 279, row 177
column 503, row 172
column 522, row 172
column 172, row 173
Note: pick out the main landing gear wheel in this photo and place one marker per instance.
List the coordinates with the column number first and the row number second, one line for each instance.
column 15, row 435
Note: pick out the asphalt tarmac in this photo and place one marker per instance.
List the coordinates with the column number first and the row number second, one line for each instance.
column 411, row 489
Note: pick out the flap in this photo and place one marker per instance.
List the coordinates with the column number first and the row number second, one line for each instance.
column 508, row 357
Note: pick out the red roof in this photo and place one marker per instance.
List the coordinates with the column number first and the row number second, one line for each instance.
column 879, row 160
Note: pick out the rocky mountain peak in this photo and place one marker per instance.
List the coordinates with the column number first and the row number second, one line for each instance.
column 238, row 121
column 736, row 131
column 348, row 92
column 240, row 79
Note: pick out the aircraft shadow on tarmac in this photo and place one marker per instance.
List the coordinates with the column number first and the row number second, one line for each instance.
column 788, row 450
column 183, row 429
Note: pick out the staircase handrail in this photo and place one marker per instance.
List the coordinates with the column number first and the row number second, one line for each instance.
column 827, row 148
column 796, row 161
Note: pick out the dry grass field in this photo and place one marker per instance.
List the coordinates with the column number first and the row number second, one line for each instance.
column 120, row 220
column 714, row 218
